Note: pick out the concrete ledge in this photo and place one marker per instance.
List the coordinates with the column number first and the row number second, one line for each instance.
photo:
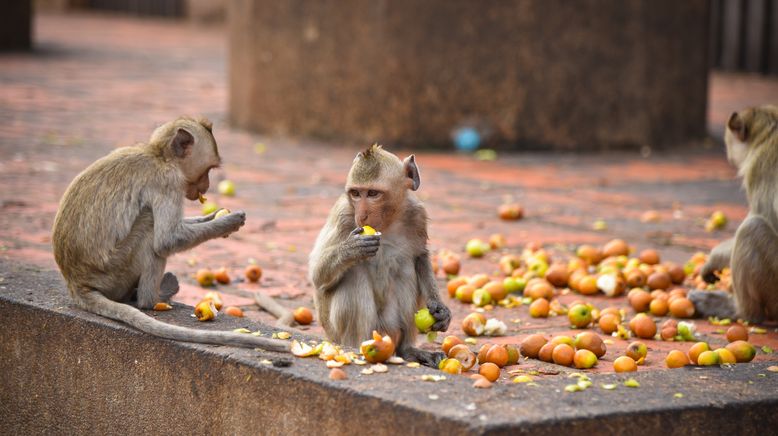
column 68, row 372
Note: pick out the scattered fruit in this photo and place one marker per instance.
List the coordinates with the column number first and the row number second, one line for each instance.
column 590, row 341
column 609, row 323
column 226, row 187
column 717, row 221
column 253, row 273
column 481, row 297
column 378, row 349
column 743, row 351
column 584, row 359
column 639, row 299
column 658, row 307
column 539, row 308
column 616, row 247
column 216, row 298
column 222, row 276
column 531, row 345
column 624, row 364
column 637, row 351
column 205, row 310
column 650, row 257
column 696, row 350
column 682, row 307
column 473, row 324
column 659, row 280
column 234, row 311
column 510, row 211
column 463, row 355
column 303, row 315
column 725, row 356
column 563, row 354
column 338, row 374
column 643, row 326
column 707, row 358
column 676, row 359
column 205, row 277
column 498, row 355
column 162, row 306
column 580, row 315
column 737, row 333
column 449, row 342
column 490, row 371
column 451, row 366
column 476, row 248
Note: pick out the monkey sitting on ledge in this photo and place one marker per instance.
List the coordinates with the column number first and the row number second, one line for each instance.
column 122, row 217
column 377, row 282
column 752, row 146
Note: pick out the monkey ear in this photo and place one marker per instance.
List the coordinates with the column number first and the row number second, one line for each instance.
column 182, row 143
column 738, row 127
column 412, row 172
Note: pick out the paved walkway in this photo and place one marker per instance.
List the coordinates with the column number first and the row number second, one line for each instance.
column 95, row 83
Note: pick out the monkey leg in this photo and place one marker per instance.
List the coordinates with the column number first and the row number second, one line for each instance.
column 755, row 269
column 408, row 351
column 168, row 287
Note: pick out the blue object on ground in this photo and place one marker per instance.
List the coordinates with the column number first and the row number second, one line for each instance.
column 467, row 139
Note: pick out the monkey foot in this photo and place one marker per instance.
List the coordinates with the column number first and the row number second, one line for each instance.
column 168, row 287
column 426, row 358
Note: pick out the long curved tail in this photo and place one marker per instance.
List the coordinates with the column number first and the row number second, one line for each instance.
column 96, row 302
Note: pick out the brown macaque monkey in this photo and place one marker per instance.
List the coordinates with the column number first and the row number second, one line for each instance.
column 377, row 282
column 122, row 217
column 752, row 255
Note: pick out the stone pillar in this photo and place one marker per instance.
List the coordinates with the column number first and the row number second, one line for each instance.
column 550, row 74
column 16, row 25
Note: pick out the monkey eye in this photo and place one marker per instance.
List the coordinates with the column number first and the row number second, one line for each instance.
column 354, row 193
column 372, row 193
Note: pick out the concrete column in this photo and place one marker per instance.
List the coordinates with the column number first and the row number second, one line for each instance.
column 528, row 74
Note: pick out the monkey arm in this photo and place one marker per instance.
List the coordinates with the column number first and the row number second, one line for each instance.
column 429, row 290
column 201, row 219
column 173, row 234
column 718, row 259
column 331, row 259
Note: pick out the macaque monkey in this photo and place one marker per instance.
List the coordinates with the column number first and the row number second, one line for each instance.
column 122, row 217
column 377, row 282
column 752, row 255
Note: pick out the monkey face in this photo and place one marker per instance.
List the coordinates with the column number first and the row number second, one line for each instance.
column 372, row 207
column 193, row 190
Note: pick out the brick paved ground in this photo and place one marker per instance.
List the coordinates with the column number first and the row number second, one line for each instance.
column 95, row 83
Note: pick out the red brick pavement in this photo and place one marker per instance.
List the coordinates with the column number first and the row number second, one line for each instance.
column 95, row 83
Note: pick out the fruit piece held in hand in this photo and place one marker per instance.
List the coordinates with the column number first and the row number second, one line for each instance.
column 221, row 213
column 205, row 310
column 378, row 349
column 253, row 273
column 303, row 315
column 209, row 207
column 368, row 231
column 424, row 320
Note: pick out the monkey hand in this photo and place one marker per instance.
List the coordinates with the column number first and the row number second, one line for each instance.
column 442, row 315
column 231, row 222
column 357, row 247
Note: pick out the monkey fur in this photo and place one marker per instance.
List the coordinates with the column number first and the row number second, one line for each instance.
column 122, row 217
column 752, row 146
column 377, row 282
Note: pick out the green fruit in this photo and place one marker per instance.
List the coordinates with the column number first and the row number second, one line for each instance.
column 513, row 285
column 226, row 187
column 580, row 315
column 476, row 248
column 424, row 320
column 481, row 297
column 538, row 266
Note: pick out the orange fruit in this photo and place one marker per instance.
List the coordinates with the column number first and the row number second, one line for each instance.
column 222, row 276
column 682, row 307
column 303, row 315
column 253, row 273
column 649, row 256
column 497, row 355
column 490, row 371
column 453, row 284
column 546, row 351
column 696, row 350
column 539, row 308
column 609, row 323
column 234, row 311
column 643, row 326
column 531, row 345
column 449, row 342
column 639, row 299
column 658, row 307
column 615, row 247
column 587, row 285
column 737, row 333
column 625, row 364
column 676, row 359
column 563, row 354
column 659, row 280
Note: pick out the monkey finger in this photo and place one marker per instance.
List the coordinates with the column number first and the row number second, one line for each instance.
column 357, row 231
column 441, row 326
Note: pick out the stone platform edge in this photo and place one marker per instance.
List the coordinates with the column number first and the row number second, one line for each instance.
column 64, row 371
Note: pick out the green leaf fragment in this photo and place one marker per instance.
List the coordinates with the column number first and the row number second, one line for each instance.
column 767, row 350
column 608, row 386
column 678, row 395
column 631, row 383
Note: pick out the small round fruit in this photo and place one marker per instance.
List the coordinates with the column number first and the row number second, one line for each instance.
column 616, row 247
column 303, row 315
column 368, row 231
column 545, row 353
column 668, row 333
column 513, row 354
column 587, row 285
column 473, row 324
column 497, row 355
column 481, row 297
column 222, row 276
column 682, row 307
column 221, row 213
column 643, row 326
column 496, row 241
column 696, row 350
column 513, row 285
column 557, row 275
column 625, row 364
column 737, row 333
column 539, row 308
column 209, row 207
column 463, row 354
column 449, row 342
column 478, row 280
column 539, row 288
column 635, row 278
column 659, row 280
column 510, row 211
column 465, row 293
column 637, row 351
column 253, row 273
column 584, row 359
column 205, row 277
column 591, row 255
column 563, row 354
column 676, row 272
column 580, row 315
column 725, row 356
column 453, row 284
column 658, row 307
column 676, row 359
column 476, row 247
column 451, row 366
column 482, row 352
column 451, row 265
column 226, row 187
column 639, row 299
column 531, row 345
column 490, row 371
column 649, row 256
column 707, row 358
column 496, row 290
column 609, row 323
column 743, row 351
column 590, row 341
column 234, row 311
column 205, row 310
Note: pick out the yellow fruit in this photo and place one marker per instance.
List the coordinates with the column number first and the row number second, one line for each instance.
column 584, row 359
column 676, row 359
column 205, row 277
column 696, row 350
column 221, row 213
column 490, row 371
column 625, row 364
column 725, row 356
column 368, row 231
column 205, row 310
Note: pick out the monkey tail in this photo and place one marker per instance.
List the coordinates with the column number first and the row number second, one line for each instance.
column 96, row 302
